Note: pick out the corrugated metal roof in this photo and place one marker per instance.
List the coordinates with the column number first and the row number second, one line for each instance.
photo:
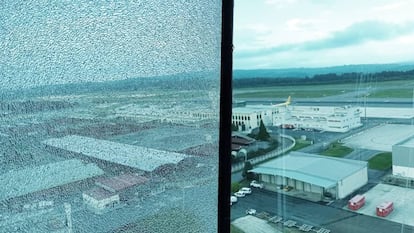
column 314, row 169
column 143, row 158
column 99, row 193
column 16, row 183
column 121, row 182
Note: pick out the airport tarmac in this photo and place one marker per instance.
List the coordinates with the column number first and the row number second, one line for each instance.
column 251, row 224
column 381, row 137
column 387, row 112
column 403, row 199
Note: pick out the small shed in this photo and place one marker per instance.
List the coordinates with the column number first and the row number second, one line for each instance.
column 100, row 199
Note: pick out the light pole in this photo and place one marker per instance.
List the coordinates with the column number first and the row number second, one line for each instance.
column 412, row 101
column 183, row 189
column 68, row 211
column 365, row 106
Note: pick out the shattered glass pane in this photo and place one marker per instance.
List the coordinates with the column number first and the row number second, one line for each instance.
column 109, row 115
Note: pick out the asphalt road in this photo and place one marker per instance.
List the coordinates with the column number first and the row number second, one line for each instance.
column 316, row 214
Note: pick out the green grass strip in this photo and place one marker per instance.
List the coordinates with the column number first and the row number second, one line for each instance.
column 337, row 150
column 382, row 161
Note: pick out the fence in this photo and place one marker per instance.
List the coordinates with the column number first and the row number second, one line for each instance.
column 239, row 166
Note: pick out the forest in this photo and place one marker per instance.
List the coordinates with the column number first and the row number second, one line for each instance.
column 330, row 78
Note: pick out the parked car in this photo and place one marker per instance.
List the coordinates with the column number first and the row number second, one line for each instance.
column 246, row 190
column 233, row 199
column 239, row 194
column 251, row 211
column 287, row 188
column 256, row 184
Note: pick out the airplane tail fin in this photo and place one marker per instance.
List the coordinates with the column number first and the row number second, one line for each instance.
column 288, row 101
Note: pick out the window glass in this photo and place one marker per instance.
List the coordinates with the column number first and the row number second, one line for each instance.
column 109, row 116
column 323, row 134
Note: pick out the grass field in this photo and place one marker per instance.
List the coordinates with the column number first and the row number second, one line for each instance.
column 393, row 93
column 284, row 93
column 173, row 220
column 389, row 89
column 337, row 150
column 382, row 161
column 300, row 144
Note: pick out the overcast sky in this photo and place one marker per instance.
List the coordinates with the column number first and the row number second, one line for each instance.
column 318, row 33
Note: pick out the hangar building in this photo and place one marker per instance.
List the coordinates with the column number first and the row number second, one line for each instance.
column 314, row 173
column 403, row 158
column 33, row 179
column 143, row 158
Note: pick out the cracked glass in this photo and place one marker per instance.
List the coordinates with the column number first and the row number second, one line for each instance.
column 109, row 116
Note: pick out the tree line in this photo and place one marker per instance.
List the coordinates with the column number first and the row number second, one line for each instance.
column 329, row 78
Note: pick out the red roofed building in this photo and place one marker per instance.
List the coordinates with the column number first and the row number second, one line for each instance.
column 238, row 141
column 121, row 182
column 111, row 191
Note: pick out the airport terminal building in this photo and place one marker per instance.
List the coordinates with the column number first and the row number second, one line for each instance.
column 314, row 173
column 326, row 118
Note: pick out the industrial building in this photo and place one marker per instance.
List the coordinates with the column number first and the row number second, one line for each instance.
column 122, row 184
column 249, row 117
column 143, row 158
column 332, row 119
column 28, row 180
column 111, row 191
column 99, row 199
column 172, row 113
column 403, row 158
column 239, row 141
column 314, row 173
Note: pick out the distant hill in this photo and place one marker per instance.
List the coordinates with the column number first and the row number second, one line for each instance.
column 182, row 81
column 310, row 72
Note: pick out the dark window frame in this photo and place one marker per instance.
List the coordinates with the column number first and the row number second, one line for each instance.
column 224, row 176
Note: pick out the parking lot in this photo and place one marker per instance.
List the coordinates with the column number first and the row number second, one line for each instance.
column 299, row 213
column 403, row 199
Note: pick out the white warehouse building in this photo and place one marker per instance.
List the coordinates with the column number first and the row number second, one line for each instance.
column 248, row 118
column 332, row 119
column 403, row 158
column 314, row 173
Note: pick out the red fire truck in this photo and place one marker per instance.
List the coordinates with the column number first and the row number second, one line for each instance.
column 385, row 208
column 356, row 202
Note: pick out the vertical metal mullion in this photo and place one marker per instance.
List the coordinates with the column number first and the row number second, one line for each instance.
column 224, row 176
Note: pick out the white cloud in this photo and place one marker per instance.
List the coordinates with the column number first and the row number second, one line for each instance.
column 279, row 2
column 389, row 7
column 298, row 24
column 259, row 28
column 316, row 32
